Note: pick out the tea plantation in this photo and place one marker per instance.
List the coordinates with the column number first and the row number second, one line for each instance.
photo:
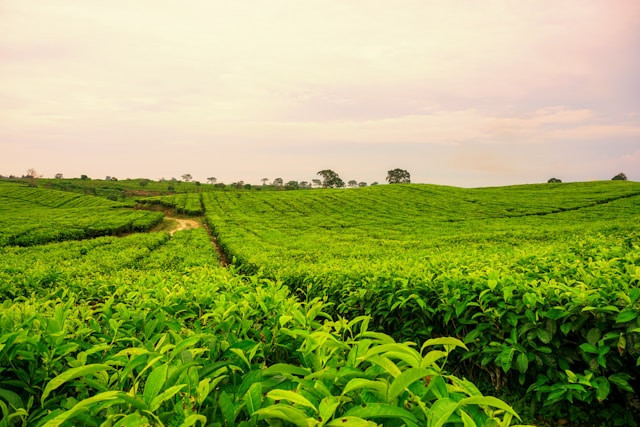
column 394, row 305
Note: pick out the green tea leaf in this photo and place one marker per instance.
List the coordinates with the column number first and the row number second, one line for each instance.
column 506, row 358
column 381, row 410
column 351, row 422
column 291, row 396
column 253, row 398
column 227, row 408
column 286, row 413
column 446, row 341
column 362, row 383
column 327, row 408
column 626, row 316
column 488, row 401
column 80, row 406
column 154, row 383
column 165, row 395
column 603, row 389
column 522, row 363
column 70, row 375
column 404, row 380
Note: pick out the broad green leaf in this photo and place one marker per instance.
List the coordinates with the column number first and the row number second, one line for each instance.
column 622, row 381
column 441, row 410
column 291, row 396
column 284, row 368
column 522, row 363
column 351, row 422
column 386, row 364
column 362, row 383
column 155, row 381
column 446, row 341
column 192, row 419
column 286, row 413
column 404, row 380
column 488, row 401
column 227, row 408
column 70, row 375
column 603, row 389
column 506, row 358
column 253, row 398
column 626, row 316
column 431, row 358
column 589, row 348
column 132, row 420
column 399, row 348
column 80, row 406
column 544, row 335
column 593, row 336
column 327, row 408
column 467, row 420
column 11, row 398
column 165, row 395
column 381, row 410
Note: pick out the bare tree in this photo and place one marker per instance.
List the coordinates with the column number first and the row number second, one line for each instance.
column 32, row 173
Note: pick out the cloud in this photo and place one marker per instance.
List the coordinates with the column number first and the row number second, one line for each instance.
column 90, row 74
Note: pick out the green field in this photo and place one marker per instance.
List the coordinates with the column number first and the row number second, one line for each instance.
column 394, row 305
column 31, row 216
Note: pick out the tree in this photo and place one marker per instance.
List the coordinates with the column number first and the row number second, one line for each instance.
column 316, row 182
column 330, row 179
column 619, row 177
column 362, row 184
column 187, row 177
column 292, row 185
column 211, row 180
column 144, row 182
column 84, row 177
column 304, row 184
column 374, row 183
column 554, row 180
column 32, row 173
column 264, row 181
column 352, row 183
column 398, row 176
column 58, row 176
column 278, row 182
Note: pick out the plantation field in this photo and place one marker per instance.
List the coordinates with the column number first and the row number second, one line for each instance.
column 30, row 216
column 541, row 282
column 389, row 305
column 185, row 203
column 148, row 329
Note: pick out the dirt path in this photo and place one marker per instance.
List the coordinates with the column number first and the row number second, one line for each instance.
column 183, row 224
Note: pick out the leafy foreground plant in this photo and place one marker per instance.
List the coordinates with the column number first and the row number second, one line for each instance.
column 144, row 368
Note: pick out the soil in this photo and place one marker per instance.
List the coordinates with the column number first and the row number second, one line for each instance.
column 183, row 224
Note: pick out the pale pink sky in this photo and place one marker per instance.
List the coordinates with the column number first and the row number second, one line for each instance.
column 464, row 93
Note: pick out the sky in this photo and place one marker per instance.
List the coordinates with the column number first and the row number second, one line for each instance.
column 464, row 93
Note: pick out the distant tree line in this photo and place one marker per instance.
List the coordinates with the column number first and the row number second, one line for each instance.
column 620, row 177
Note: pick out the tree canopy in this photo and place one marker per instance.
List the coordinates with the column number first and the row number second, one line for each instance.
column 330, row 179
column 398, row 176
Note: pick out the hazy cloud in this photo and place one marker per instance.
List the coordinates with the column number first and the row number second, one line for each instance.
column 187, row 86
